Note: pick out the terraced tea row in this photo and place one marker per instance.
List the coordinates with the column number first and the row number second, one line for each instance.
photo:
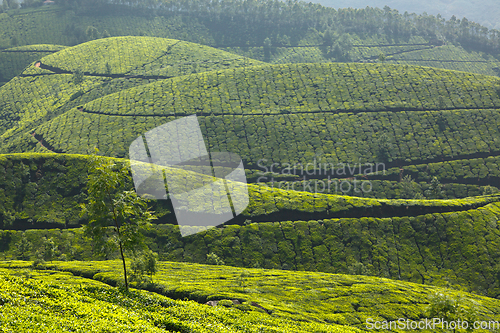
column 143, row 56
column 41, row 190
column 306, row 88
column 57, row 302
column 27, row 100
column 327, row 138
column 444, row 249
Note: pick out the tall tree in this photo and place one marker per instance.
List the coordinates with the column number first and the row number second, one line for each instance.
column 115, row 216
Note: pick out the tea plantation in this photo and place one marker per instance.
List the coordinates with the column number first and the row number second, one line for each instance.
column 48, row 301
column 400, row 116
column 289, row 301
column 370, row 141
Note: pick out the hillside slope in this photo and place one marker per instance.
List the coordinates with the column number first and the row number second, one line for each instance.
column 48, row 86
column 399, row 116
column 47, row 302
column 426, row 241
column 14, row 60
column 326, row 302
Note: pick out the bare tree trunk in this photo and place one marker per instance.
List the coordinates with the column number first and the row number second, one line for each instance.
column 124, row 267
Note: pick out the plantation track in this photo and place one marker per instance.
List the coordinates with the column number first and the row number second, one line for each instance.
column 352, row 111
column 399, row 52
column 57, row 71
column 386, row 210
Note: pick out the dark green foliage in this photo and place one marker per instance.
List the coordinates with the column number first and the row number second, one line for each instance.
column 78, row 78
column 23, row 248
column 435, row 189
column 48, row 249
column 108, row 69
column 92, row 33
column 409, row 189
column 144, row 263
column 213, row 259
column 116, row 215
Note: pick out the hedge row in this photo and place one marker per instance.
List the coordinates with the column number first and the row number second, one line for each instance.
column 39, row 190
column 328, row 138
column 466, row 170
column 450, row 57
column 459, row 248
column 368, row 188
column 307, row 88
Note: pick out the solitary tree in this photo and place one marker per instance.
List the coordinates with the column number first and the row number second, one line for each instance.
column 108, row 69
column 115, row 216
column 488, row 189
column 435, row 189
column 409, row 188
column 92, row 33
column 450, row 309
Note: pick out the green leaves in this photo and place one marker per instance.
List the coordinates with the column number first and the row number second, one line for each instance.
column 114, row 214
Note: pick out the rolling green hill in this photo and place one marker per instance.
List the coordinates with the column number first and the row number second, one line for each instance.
column 401, row 116
column 307, row 96
column 294, row 301
column 54, row 302
column 291, row 230
column 40, row 93
column 370, row 96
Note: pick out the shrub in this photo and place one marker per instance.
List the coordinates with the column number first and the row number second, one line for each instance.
column 213, row 259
